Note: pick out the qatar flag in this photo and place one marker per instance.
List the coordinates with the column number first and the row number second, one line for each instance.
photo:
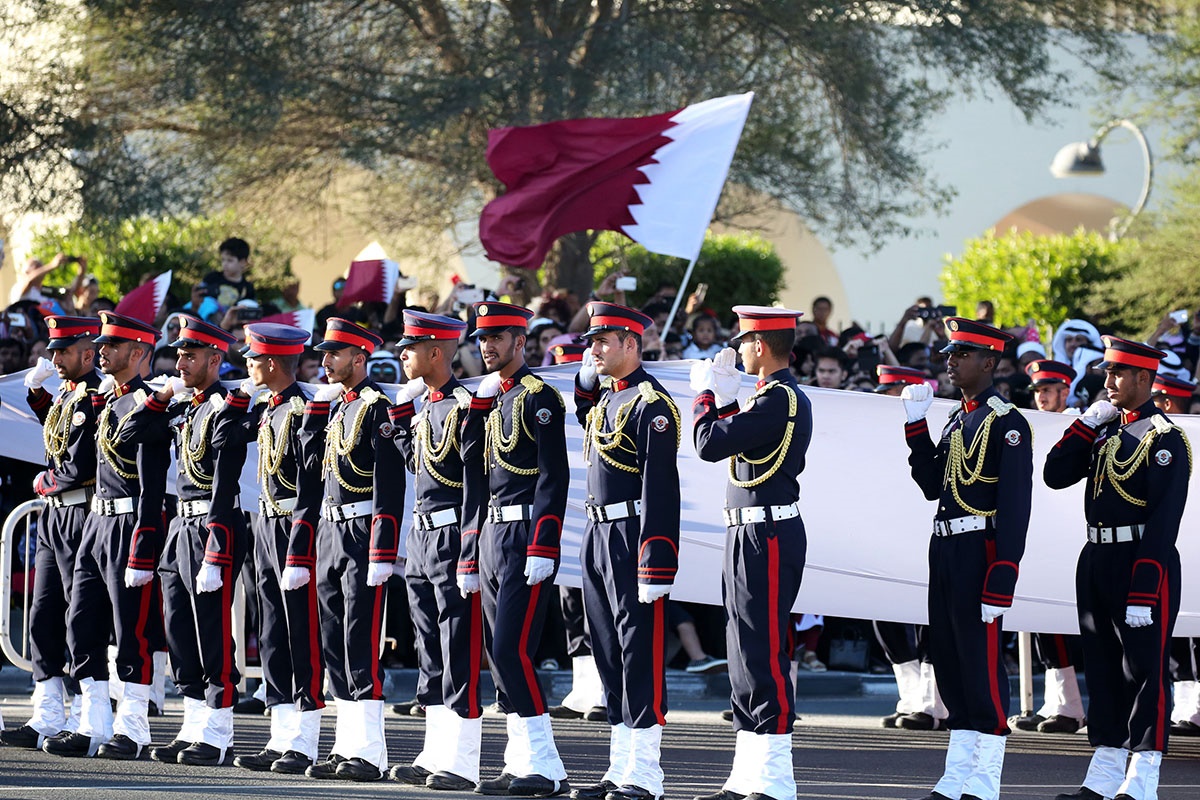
column 305, row 319
column 370, row 281
column 656, row 179
column 144, row 302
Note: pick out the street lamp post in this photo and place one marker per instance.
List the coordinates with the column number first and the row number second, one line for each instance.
column 1081, row 159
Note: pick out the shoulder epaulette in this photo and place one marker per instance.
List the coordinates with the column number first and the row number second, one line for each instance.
column 463, row 395
column 532, row 383
column 648, row 392
column 1163, row 425
column 999, row 406
column 140, row 396
column 217, row 401
column 297, row 404
column 370, row 395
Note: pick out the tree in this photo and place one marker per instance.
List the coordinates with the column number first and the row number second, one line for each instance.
column 738, row 268
column 276, row 102
column 121, row 255
column 1046, row 279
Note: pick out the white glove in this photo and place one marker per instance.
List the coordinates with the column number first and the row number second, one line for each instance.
column 208, row 579
column 650, row 592
column 991, row 612
column 249, row 388
column 328, row 392
column 173, row 386
column 917, row 400
column 137, row 577
column 41, row 371
column 587, row 371
column 468, row 584
column 726, row 378
column 537, row 569
column 489, row 386
column 107, row 384
column 702, row 378
column 1099, row 413
column 293, row 578
column 410, row 391
column 1137, row 616
column 377, row 574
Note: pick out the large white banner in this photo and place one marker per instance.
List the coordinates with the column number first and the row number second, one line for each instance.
column 868, row 525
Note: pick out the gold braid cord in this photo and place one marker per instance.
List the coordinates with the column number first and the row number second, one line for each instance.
column 434, row 455
column 499, row 444
column 270, row 456
column 1118, row 471
column 57, row 430
column 777, row 455
column 958, row 469
column 338, row 444
column 190, row 457
column 107, row 440
column 608, row 443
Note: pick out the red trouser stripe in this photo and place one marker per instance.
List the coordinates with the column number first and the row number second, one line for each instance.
column 782, row 682
column 226, row 637
column 376, row 626
column 1164, row 615
column 659, row 659
column 140, row 633
column 523, row 651
column 475, row 609
column 317, row 679
column 992, row 633
column 1060, row 644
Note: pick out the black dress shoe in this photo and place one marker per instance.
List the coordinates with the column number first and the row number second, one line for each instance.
column 417, row 711
column 152, row 710
column 888, row 722
column 724, row 794
column 497, row 785
column 259, row 762
column 23, row 736
column 1026, row 722
column 596, row 714
column 169, row 753
column 326, row 770
column 1123, row 796
column 727, row 715
column 358, row 769
column 409, row 773
column 596, row 791
column 120, row 748
column 449, row 782
column 537, row 786
column 293, row 762
column 73, row 745
column 918, row 721
column 562, row 712
column 761, row 796
column 629, row 791
column 1084, row 793
column 1059, row 724
column 1185, row 728
column 251, row 705
column 970, row 797
column 935, row 796
column 201, row 754
column 404, row 709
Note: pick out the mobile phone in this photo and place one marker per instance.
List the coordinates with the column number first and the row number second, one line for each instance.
column 469, row 295
column 17, row 319
column 868, row 358
column 249, row 312
column 947, row 311
column 404, row 283
column 701, row 292
column 1179, row 317
column 627, row 284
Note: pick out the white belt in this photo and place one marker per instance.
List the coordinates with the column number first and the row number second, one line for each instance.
column 748, row 515
column 285, row 507
column 363, row 508
column 112, row 506
column 1121, row 533
column 75, row 497
column 614, row 511
column 435, row 519
column 194, row 508
column 952, row 527
column 509, row 513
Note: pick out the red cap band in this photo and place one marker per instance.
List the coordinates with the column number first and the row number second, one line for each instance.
column 767, row 323
column 196, row 335
column 121, row 332
column 271, row 349
column 500, row 321
column 625, row 323
column 1131, row 360
column 346, row 337
column 437, row 333
column 991, row 342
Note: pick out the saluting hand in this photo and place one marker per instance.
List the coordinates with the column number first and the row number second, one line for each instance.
column 587, row 371
column 1099, row 413
column 726, row 378
column 917, row 400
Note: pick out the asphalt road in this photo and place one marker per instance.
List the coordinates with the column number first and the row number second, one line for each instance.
column 840, row 753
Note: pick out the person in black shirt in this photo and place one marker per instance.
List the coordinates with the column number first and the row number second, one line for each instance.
column 230, row 285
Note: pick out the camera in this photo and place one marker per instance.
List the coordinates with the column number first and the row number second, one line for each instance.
column 929, row 312
column 249, row 312
column 72, row 259
column 627, row 284
column 468, row 295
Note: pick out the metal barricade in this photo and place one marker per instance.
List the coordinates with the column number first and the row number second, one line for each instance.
column 17, row 651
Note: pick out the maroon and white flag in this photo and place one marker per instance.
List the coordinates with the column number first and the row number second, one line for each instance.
column 656, row 179
column 370, row 281
column 144, row 302
column 305, row 319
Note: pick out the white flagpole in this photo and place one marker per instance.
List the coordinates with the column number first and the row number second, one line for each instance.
column 687, row 276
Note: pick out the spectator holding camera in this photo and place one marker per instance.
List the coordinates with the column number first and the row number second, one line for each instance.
column 229, row 286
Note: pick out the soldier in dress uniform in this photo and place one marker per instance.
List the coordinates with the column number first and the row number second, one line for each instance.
column 1137, row 464
column 67, row 486
column 630, row 549
column 765, row 442
column 980, row 472
column 205, row 542
column 449, row 625
column 1062, row 707
column 357, row 541
column 905, row 645
column 514, row 453
column 285, row 529
column 113, row 592
column 1172, row 395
